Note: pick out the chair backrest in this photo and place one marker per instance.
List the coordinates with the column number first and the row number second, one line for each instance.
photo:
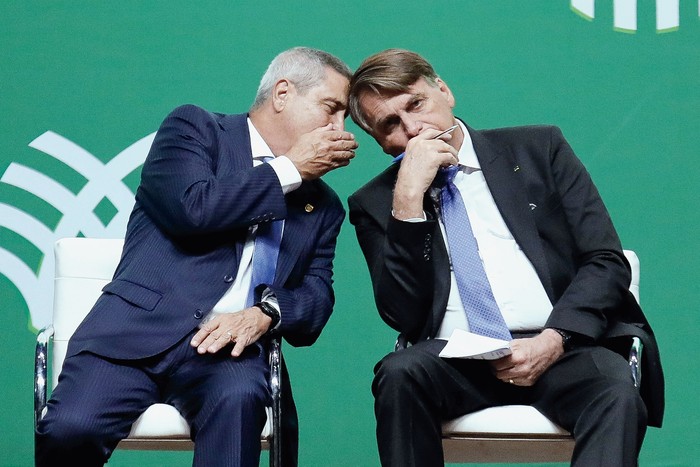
column 634, row 265
column 83, row 267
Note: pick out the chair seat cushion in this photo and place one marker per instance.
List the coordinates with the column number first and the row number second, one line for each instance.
column 508, row 419
column 160, row 420
column 163, row 420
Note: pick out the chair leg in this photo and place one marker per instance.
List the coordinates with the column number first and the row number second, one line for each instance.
column 276, row 388
column 41, row 357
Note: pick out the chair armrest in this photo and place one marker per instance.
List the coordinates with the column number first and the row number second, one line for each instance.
column 41, row 356
column 275, row 359
column 635, row 361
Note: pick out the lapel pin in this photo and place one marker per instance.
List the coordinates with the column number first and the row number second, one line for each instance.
column 532, row 207
column 309, row 208
column 516, row 168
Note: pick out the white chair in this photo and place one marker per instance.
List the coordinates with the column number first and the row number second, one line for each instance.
column 83, row 267
column 520, row 433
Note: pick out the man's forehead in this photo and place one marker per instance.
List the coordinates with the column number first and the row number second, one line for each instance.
column 380, row 105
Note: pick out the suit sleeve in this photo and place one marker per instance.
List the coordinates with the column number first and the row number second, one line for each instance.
column 306, row 300
column 399, row 256
column 184, row 189
column 601, row 277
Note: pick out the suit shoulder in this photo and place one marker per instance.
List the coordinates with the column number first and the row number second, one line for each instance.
column 327, row 193
column 190, row 110
column 522, row 133
column 196, row 114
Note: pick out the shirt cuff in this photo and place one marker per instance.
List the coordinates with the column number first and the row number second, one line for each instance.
column 413, row 219
column 289, row 176
column 269, row 297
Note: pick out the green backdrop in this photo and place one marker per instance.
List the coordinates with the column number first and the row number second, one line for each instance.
column 104, row 74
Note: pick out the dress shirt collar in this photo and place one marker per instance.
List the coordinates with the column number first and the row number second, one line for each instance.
column 467, row 155
column 258, row 146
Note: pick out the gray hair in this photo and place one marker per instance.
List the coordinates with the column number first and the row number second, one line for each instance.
column 302, row 66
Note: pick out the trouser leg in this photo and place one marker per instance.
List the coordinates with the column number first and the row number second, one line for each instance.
column 223, row 399
column 91, row 409
column 415, row 390
column 590, row 392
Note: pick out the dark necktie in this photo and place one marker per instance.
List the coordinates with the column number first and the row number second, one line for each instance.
column 265, row 253
column 481, row 308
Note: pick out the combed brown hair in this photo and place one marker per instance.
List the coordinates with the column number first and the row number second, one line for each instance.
column 391, row 71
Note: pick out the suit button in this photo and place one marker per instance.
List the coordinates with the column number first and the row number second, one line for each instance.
column 228, row 278
column 198, row 314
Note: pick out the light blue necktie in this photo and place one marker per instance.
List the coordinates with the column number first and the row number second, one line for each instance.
column 481, row 308
column 265, row 253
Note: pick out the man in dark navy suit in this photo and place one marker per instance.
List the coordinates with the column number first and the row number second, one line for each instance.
column 551, row 265
column 184, row 321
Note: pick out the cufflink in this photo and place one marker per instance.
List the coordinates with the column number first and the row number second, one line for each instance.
column 309, row 208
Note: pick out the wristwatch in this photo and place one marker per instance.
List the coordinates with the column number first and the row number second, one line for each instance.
column 270, row 311
column 566, row 340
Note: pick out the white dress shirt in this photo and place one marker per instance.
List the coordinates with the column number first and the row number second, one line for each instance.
column 515, row 284
column 234, row 300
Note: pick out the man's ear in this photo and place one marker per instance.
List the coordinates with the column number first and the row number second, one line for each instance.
column 445, row 90
column 281, row 93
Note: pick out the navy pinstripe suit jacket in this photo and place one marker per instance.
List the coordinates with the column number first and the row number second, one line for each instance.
column 198, row 196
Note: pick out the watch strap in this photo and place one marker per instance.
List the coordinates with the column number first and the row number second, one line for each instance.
column 270, row 311
column 566, row 339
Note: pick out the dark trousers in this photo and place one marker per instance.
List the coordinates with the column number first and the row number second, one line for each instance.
column 97, row 400
column 588, row 392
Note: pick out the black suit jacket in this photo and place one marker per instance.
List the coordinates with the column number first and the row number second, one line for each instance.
column 198, row 196
column 553, row 209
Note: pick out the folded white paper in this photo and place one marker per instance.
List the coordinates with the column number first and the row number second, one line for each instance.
column 463, row 344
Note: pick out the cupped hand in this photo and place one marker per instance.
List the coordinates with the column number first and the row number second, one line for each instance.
column 318, row 152
column 423, row 157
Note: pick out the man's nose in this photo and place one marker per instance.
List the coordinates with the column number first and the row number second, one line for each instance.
column 412, row 127
column 338, row 121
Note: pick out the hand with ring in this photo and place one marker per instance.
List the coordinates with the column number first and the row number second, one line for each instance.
column 243, row 328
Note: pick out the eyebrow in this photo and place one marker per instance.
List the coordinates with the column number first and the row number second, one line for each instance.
column 413, row 97
column 334, row 102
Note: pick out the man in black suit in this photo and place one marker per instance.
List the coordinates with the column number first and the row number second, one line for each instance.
column 185, row 320
column 553, row 261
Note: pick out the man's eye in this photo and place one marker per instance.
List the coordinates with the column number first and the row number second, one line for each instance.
column 389, row 126
column 417, row 104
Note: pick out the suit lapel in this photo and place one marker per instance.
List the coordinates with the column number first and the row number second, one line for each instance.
column 301, row 216
column 502, row 176
column 236, row 137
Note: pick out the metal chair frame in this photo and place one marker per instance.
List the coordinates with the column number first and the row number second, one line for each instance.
column 272, row 443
